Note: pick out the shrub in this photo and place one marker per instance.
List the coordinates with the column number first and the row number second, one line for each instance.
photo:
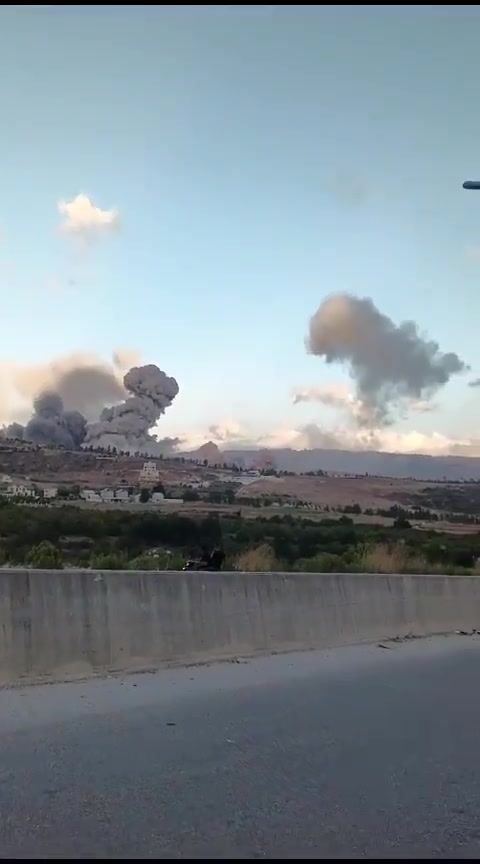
column 259, row 560
column 45, row 556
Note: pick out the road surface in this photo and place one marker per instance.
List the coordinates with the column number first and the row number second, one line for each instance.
column 356, row 752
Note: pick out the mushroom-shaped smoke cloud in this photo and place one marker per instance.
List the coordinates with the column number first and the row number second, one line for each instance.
column 127, row 426
column 389, row 363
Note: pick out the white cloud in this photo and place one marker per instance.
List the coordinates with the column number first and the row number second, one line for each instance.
column 334, row 396
column 339, row 396
column 81, row 217
column 310, row 436
column 225, row 433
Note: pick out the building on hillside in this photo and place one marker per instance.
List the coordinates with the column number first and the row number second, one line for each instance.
column 90, row 495
column 149, row 473
column 157, row 498
column 248, row 477
column 49, row 491
column 194, row 484
column 105, row 496
column 21, row 490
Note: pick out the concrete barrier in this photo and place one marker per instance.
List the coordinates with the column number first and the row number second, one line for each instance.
column 61, row 624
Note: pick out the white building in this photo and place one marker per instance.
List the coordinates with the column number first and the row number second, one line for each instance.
column 21, row 490
column 105, row 496
column 49, row 492
column 248, row 477
column 149, row 473
column 90, row 495
column 195, row 484
column 157, row 498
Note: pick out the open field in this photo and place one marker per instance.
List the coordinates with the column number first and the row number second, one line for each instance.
column 368, row 492
column 199, row 509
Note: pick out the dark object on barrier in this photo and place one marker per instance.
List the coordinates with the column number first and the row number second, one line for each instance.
column 208, row 562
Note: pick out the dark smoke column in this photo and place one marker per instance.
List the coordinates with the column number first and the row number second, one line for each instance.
column 127, row 426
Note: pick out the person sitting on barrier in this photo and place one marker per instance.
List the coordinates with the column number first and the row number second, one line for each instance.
column 216, row 559
column 205, row 557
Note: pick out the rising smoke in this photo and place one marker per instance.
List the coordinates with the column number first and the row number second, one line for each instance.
column 126, row 426
column 389, row 363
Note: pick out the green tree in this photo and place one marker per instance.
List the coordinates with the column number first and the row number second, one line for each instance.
column 144, row 496
column 230, row 496
column 45, row 556
column 401, row 523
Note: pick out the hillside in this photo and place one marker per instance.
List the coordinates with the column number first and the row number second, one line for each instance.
column 94, row 470
column 372, row 462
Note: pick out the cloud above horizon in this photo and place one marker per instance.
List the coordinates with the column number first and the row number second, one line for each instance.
column 339, row 396
column 82, row 218
column 311, row 436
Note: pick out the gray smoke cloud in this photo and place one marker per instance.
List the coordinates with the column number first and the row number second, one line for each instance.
column 86, row 390
column 79, row 393
column 388, row 363
column 85, row 382
column 51, row 424
column 127, row 426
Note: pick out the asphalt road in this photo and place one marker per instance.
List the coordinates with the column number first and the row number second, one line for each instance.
column 357, row 752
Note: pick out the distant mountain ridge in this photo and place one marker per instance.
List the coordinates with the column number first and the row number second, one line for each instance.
column 394, row 465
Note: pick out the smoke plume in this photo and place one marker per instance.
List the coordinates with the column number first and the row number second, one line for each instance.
column 84, row 381
column 77, row 389
column 127, row 426
column 389, row 363
column 52, row 424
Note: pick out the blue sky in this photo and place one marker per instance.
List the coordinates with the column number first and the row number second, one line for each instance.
column 260, row 159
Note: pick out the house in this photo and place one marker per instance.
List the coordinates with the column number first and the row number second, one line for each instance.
column 149, row 473
column 90, row 495
column 21, row 490
column 195, row 484
column 49, row 491
column 105, row 496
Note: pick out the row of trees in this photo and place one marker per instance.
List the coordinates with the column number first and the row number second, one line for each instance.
column 81, row 536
